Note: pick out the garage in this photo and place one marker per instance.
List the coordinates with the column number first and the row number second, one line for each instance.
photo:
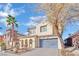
column 48, row 43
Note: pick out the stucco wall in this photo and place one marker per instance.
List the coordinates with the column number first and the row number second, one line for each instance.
column 33, row 42
column 49, row 29
column 59, row 44
column 37, row 29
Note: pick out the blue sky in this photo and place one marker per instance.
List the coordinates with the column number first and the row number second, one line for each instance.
column 71, row 28
column 27, row 16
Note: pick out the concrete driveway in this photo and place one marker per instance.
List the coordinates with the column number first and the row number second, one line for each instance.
column 42, row 52
column 35, row 52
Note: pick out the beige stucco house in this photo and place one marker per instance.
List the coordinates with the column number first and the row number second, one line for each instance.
column 41, row 36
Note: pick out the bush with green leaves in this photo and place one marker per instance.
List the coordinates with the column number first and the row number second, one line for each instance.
column 2, row 45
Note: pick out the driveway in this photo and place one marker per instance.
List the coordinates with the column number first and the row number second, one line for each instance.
column 41, row 52
column 35, row 52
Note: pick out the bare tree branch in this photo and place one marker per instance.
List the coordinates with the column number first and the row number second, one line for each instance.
column 59, row 14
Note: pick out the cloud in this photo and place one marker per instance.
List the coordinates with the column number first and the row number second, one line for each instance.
column 31, row 23
column 19, row 11
column 3, row 14
column 3, row 21
column 34, row 20
column 8, row 10
column 7, row 7
column 77, row 24
column 1, row 33
column 26, row 33
column 38, row 18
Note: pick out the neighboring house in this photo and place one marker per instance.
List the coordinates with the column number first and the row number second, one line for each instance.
column 1, row 38
column 41, row 36
column 73, row 40
column 1, row 41
column 9, row 40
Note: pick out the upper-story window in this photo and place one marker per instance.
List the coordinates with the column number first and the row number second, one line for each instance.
column 43, row 28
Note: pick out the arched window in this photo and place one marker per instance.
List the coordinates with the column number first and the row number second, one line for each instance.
column 22, row 43
column 30, row 41
column 26, row 44
column 17, row 44
column 26, row 41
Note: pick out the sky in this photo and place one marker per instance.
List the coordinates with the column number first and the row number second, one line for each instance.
column 27, row 16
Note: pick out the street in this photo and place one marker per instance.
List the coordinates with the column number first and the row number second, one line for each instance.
column 34, row 52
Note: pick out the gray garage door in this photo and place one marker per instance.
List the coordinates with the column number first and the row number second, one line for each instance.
column 48, row 43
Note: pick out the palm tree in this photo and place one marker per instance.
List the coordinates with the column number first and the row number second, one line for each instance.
column 11, row 21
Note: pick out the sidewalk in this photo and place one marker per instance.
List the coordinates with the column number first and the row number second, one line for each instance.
column 6, row 54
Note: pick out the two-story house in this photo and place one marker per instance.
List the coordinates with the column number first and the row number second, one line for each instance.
column 41, row 36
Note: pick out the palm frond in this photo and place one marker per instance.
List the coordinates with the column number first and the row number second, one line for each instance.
column 11, row 19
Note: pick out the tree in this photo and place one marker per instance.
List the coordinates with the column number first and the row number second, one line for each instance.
column 60, row 14
column 11, row 21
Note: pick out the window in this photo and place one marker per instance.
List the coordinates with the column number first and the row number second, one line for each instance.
column 22, row 43
column 43, row 28
column 30, row 41
column 26, row 43
column 17, row 44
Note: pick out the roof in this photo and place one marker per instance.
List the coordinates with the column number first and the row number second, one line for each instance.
column 18, row 34
column 74, row 35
